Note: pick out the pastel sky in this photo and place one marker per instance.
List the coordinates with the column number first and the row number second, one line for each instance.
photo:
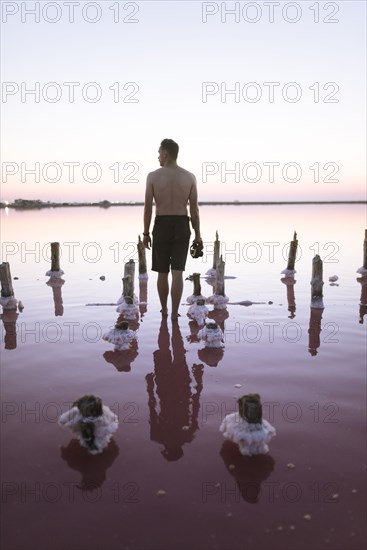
column 293, row 127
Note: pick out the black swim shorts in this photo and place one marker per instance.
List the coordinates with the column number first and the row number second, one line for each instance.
column 171, row 239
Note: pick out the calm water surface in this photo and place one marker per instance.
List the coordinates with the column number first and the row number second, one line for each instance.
column 308, row 366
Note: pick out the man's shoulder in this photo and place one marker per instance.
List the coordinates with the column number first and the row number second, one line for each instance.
column 188, row 174
column 155, row 172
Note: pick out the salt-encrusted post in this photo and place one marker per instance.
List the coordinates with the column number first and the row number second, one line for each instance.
column 213, row 271
column 6, row 283
column 216, row 251
column 142, row 260
column 317, row 283
column 55, row 270
column 219, row 285
column 128, row 280
column 195, row 278
column 290, row 271
column 7, row 299
column 363, row 269
column 219, row 299
column 127, row 304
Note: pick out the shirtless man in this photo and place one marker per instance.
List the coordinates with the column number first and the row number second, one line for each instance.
column 172, row 188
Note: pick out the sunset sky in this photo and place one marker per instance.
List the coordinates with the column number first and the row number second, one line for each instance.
column 266, row 102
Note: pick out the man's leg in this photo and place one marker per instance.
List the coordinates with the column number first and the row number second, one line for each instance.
column 176, row 291
column 162, row 286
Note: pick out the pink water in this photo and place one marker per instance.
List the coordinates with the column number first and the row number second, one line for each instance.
column 312, row 384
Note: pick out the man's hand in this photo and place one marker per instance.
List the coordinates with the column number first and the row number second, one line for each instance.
column 147, row 241
column 198, row 240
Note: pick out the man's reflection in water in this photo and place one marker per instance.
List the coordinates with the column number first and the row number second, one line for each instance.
column 92, row 468
column 248, row 471
column 177, row 420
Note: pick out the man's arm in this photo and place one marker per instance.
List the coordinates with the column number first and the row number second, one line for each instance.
column 148, row 207
column 194, row 210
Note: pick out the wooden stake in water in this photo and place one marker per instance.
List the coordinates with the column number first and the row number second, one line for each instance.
column 197, row 286
column 55, row 256
column 6, row 283
column 316, row 283
column 219, row 285
column 142, row 257
column 216, row 250
column 128, row 280
column 292, row 252
column 363, row 269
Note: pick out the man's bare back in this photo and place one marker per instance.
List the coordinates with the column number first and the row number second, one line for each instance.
column 172, row 188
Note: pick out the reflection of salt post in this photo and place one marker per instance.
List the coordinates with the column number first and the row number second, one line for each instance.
column 128, row 280
column 143, row 296
column 7, row 299
column 56, row 284
column 142, row 260
column 9, row 318
column 55, row 270
column 363, row 302
column 290, row 282
column 317, row 283
column 314, row 330
column 363, row 269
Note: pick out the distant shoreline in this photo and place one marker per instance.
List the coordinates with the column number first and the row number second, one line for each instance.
column 29, row 204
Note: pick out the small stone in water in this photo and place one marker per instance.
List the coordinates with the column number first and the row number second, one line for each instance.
column 354, row 491
column 15, row 278
column 292, row 527
column 238, row 385
column 231, row 467
column 185, row 428
column 161, row 493
column 280, row 528
column 270, row 302
column 335, row 496
column 290, row 465
column 103, row 278
column 307, row 516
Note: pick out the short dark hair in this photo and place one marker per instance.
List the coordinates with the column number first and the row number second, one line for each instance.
column 171, row 147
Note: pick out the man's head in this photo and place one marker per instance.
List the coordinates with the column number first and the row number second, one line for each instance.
column 168, row 152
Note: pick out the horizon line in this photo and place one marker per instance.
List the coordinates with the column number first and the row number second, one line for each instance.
column 37, row 203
